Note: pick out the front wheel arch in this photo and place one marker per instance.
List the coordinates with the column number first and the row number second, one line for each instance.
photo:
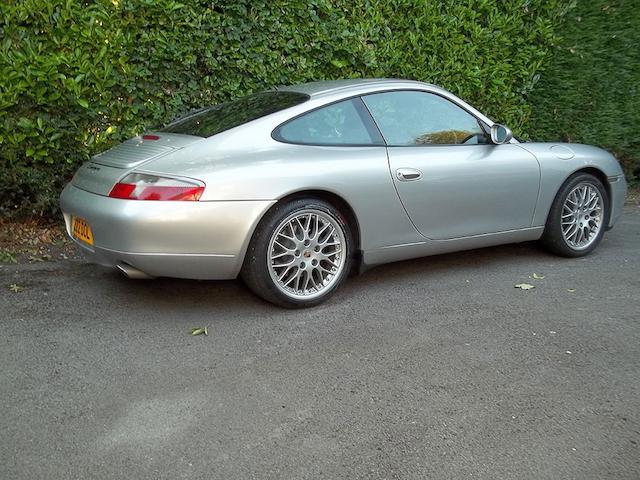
column 596, row 172
column 552, row 236
column 599, row 174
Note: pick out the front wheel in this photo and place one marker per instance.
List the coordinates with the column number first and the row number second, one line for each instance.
column 299, row 254
column 578, row 217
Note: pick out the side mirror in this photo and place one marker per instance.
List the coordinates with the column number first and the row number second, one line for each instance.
column 500, row 134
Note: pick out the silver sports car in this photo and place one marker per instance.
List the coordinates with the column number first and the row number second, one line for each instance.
column 294, row 188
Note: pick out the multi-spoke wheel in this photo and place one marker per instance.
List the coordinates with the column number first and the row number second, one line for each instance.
column 578, row 216
column 582, row 216
column 299, row 253
column 306, row 253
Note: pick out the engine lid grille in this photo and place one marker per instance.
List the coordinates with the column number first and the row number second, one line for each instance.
column 131, row 153
column 140, row 149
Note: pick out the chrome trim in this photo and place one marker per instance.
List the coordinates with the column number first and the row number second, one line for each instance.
column 133, row 273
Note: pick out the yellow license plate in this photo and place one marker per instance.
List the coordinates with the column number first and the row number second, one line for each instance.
column 81, row 230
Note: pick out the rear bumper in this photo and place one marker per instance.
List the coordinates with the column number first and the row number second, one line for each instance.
column 618, row 190
column 200, row 240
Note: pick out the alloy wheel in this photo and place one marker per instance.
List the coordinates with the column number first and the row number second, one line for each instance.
column 582, row 216
column 306, row 254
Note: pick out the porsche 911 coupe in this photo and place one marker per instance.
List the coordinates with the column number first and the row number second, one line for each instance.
column 294, row 188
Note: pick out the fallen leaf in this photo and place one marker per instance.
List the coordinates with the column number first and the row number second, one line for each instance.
column 538, row 277
column 571, row 290
column 568, row 352
column 524, row 286
column 14, row 287
column 199, row 331
column 7, row 257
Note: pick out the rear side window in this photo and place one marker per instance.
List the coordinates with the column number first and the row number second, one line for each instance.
column 212, row 120
column 341, row 123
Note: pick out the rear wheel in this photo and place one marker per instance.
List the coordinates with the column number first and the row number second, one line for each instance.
column 578, row 217
column 299, row 254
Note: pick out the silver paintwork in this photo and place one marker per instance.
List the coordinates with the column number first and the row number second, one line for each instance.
column 582, row 216
column 407, row 201
column 500, row 134
column 306, row 254
column 464, row 188
column 200, row 240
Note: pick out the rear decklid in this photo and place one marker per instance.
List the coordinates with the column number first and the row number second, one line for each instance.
column 139, row 149
column 101, row 173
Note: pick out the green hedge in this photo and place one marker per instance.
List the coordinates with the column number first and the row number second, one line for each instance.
column 78, row 76
column 591, row 91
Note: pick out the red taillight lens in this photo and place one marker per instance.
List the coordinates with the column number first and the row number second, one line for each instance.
column 139, row 186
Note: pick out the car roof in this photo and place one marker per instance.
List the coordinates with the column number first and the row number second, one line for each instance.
column 316, row 89
column 335, row 90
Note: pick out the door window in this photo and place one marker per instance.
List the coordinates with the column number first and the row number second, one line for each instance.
column 420, row 118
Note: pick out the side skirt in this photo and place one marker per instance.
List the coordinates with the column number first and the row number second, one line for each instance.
column 395, row 253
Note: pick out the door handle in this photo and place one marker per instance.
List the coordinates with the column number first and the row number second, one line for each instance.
column 408, row 174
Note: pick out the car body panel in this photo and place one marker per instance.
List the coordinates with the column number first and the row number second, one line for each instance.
column 216, row 232
column 463, row 189
column 556, row 167
column 137, row 150
column 428, row 247
column 456, row 205
column 95, row 178
column 359, row 175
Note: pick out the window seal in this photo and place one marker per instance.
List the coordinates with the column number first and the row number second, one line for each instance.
column 377, row 140
column 483, row 126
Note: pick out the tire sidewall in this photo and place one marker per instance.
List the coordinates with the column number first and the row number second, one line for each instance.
column 553, row 236
column 255, row 270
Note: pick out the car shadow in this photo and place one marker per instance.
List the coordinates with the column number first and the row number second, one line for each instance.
column 228, row 295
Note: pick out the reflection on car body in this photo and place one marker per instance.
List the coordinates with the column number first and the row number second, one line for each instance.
column 292, row 188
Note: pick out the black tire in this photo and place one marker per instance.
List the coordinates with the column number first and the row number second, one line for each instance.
column 256, row 270
column 552, row 238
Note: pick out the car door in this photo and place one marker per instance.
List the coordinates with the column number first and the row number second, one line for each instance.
column 451, row 180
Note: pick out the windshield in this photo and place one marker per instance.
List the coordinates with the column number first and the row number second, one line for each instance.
column 213, row 120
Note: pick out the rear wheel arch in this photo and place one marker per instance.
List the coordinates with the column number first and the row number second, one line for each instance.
column 334, row 199
column 259, row 270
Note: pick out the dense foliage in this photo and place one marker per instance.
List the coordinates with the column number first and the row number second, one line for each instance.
column 591, row 91
column 76, row 77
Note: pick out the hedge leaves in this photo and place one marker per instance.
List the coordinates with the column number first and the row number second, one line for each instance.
column 75, row 77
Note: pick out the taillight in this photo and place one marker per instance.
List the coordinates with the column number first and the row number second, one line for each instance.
column 141, row 186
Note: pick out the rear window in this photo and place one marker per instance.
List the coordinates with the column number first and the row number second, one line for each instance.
column 212, row 120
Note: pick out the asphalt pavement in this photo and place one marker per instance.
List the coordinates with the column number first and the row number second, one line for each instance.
column 432, row 368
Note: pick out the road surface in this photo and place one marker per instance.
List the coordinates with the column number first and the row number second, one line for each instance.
column 432, row 368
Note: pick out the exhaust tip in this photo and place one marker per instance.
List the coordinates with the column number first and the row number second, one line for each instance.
column 133, row 273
